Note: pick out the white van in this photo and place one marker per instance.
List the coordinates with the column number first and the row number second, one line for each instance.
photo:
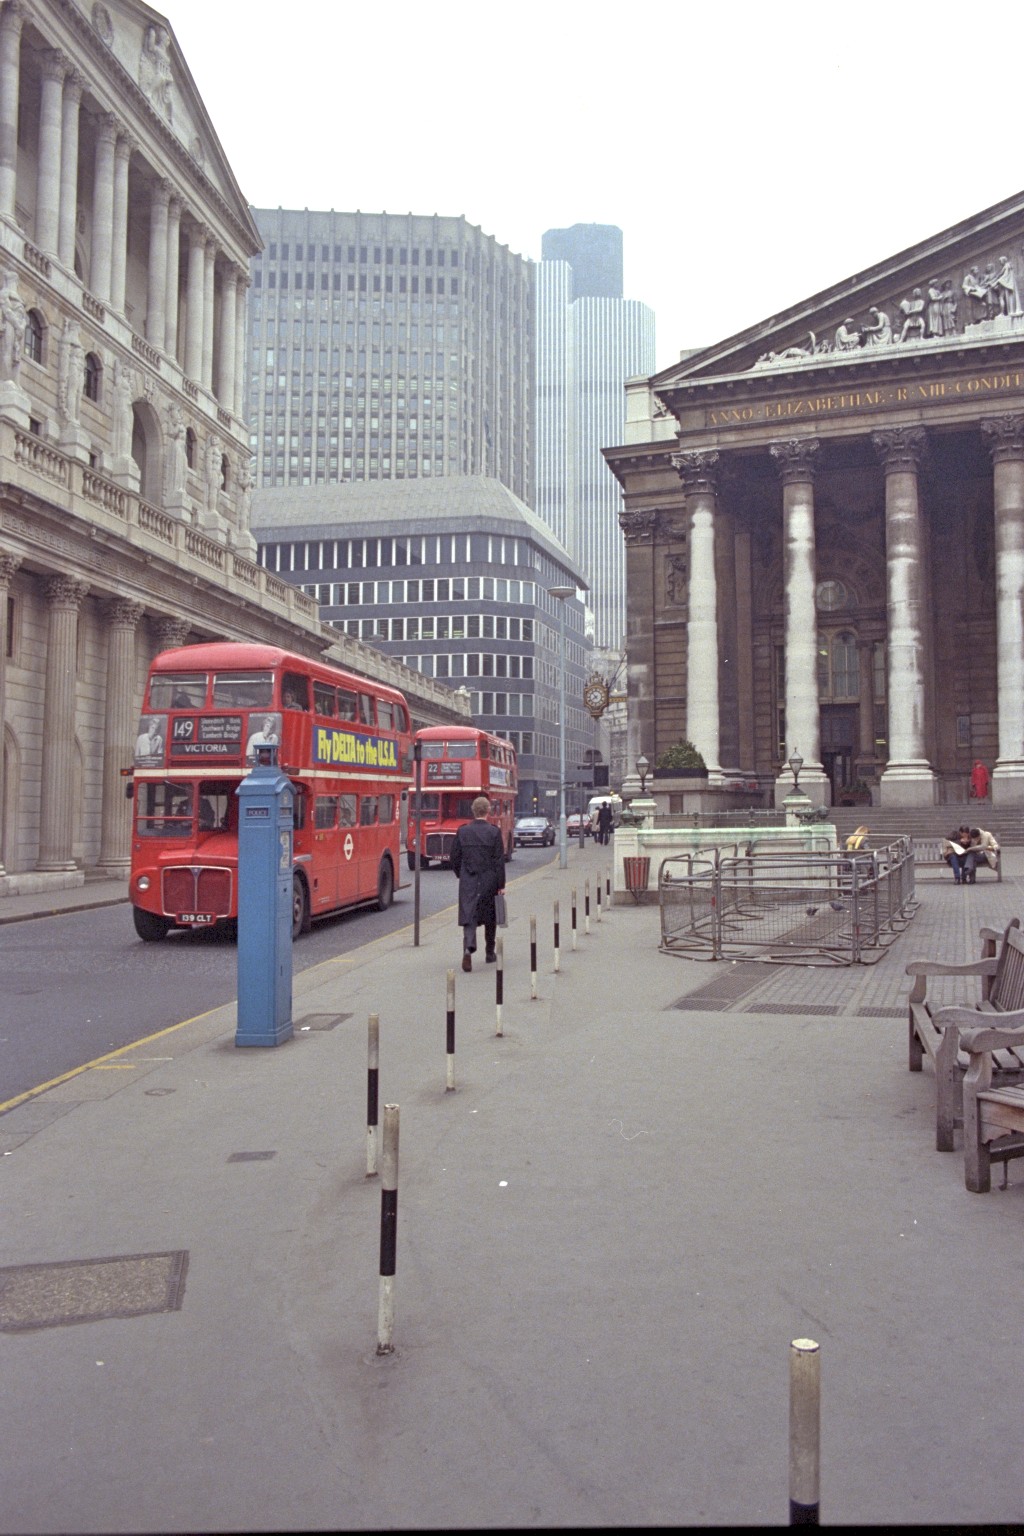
column 615, row 801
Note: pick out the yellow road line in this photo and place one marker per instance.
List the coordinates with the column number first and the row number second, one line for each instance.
column 65, row 1077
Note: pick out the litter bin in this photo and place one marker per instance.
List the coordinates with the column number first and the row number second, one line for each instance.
column 638, row 873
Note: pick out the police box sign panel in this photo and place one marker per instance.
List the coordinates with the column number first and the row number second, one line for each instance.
column 212, row 736
column 346, row 748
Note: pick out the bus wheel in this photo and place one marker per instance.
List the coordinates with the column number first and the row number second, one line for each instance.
column 385, row 885
column 149, row 926
column 300, row 907
column 411, row 860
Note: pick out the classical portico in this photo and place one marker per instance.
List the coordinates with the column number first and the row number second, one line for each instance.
column 824, row 525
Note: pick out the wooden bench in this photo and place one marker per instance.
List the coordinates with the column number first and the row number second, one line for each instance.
column 928, row 855
column 993, row 1111
column 931, row 1032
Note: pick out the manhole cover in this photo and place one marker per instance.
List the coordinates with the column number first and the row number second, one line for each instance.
column 86, row 1290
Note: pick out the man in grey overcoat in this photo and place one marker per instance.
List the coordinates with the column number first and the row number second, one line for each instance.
column 478, row 858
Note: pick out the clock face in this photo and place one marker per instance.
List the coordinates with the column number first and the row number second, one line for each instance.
column 594, row 696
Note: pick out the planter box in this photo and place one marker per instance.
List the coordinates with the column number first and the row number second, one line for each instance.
column 687, row 775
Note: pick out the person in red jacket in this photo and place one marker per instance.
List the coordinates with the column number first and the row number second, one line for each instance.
column 979, row 781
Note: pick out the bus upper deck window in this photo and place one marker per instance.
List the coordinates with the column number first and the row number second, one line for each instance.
column 177, row 690
column 243, row 690
column 385, row 715
column 324, row 699
column 367, row 715
column 347, row 707
column 433, row 749
column 464, row 749
column 295, row 691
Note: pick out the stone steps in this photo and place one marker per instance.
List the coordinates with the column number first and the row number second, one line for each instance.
column 1006, row 826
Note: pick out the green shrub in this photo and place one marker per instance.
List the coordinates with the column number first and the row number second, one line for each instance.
column 683, row 755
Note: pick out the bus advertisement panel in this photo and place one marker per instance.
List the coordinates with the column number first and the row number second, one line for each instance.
column 344, row 742
column 459, row 762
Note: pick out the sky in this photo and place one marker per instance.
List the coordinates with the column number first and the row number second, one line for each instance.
column 751, row 154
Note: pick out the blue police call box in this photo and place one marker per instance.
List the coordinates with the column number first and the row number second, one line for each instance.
column 265, row 831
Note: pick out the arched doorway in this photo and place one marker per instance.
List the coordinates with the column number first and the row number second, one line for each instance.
column 147, row 451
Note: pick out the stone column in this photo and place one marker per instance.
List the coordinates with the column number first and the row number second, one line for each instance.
column 239, row 406
column 638, row 527
column 8, row 565
column 1005, row 436
column 209, row 313
column 744, row 650
column 228, row 316
column 103, row 209
column 56, row 809
column 795, row 462
column 699, row 474
column 194, row 318
column 866, row 702
column 119, row 243
column 73, row 85
column 171, row 288
column 170, row 632
column 156, row 287
column 11, row 20
column 53, row 67
column 909, row 779
column 120, row 721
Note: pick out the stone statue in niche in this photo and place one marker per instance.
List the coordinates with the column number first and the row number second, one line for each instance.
column 878, row 329
column 177, row 462
column 1005, row 285
column 71, row 375
column 244, row 491
column 912, row 310
column 675, row 579
column 974, row 291
column 101, row 21
column 935, row 315
column 13, row 323
column 847, row 336
column 124, row 416
column 214, row 473
column 155, row 69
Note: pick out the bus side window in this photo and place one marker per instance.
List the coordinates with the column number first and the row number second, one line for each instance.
column 324, row 699
column 295, row 691
column 401, row 718
column 325, row 814
column 346, row 810
column 368, row 810
column 385, row 714
column 366, row 712
column 299, row 810
column 346, row 704
column 385, row 809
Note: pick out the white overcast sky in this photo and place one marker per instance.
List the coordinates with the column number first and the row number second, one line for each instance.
column 752, row 154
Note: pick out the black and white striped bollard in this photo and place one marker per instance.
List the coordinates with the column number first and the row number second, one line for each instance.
column 499, row 982
column 373, row 1063
column 598, row 893
column 574, row 917
column 608, row 888
column 557, row 950
column 804, row 1431
column 533, row 959
column 450, row 1043
column 586, row 905
column 388, row 1233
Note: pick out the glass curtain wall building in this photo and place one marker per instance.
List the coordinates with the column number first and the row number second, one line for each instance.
column 453, row 578
column 385, row 347
column 590, row 340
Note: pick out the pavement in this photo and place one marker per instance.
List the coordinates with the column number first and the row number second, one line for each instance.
column 609, row 1231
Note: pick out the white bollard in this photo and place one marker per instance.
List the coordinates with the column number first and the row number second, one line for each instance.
column 388, row 1233
column 804, row 1431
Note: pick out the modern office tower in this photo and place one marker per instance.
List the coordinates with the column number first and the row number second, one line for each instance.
column 388, row 347
column 590, row 340
column 454, row 578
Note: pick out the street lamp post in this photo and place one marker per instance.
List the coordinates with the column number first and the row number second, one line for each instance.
column 563, row 848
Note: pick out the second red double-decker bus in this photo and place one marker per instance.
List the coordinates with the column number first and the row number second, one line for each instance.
column 344, row 742
column 460, row 762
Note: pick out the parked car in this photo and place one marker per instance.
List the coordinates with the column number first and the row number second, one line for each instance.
column 572, row 825
column 534, row 829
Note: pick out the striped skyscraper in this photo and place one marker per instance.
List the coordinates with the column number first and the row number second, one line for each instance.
column 590, row 340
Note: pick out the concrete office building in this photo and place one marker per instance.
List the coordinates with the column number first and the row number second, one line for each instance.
column 824, row 523
column 590, row 340
column 124, row 459
column 452, row 577
column 388, row 347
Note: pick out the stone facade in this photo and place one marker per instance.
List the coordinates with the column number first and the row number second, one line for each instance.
column 125, row 472
column 824, row 541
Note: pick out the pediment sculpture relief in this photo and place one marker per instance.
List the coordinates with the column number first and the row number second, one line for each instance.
column 979, row 301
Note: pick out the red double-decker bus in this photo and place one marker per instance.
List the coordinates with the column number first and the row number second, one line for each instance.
column 344, row 742
column 460, row 762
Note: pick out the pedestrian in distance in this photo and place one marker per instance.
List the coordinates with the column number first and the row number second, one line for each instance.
column 604, row 822
column 478, row 859
column 979, row 781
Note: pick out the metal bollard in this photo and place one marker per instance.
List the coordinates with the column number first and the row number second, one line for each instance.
column 373, row 1063
column 586, row 905
column 608, row 887
column 450, row 1059
column 598, row 893
column 557, row 950
column 574, row 917
column 804, row 1431
column 533, row 959
column 388, row 1233
column 499, row 981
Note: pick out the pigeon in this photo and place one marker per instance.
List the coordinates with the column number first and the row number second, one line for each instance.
column 836, row 906
column 811, row 911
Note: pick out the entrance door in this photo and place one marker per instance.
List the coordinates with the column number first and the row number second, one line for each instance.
column 838, row 745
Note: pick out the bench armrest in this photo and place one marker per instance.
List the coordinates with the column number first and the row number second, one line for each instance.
column 986, row 967
column 975, row 1038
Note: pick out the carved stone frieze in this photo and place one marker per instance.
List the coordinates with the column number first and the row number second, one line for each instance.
column 698, row 470
column 794, row 459
column 1005, row 437
column 638, row 527
column 901, row 449
column 676, row 567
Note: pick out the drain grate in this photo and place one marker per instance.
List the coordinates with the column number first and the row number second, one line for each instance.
column 733, row 982
column 808, row 1008
column 319, row 1021
column 87, row 1290
column 881, row 1013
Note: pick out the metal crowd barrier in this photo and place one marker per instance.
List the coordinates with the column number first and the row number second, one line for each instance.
column 804, row 906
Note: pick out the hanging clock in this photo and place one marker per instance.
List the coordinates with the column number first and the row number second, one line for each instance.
column 595, row 696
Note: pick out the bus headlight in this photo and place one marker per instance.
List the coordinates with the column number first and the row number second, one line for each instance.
column 143, row 883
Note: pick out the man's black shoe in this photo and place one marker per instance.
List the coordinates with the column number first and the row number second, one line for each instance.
column 491, row 957
column 467, row 961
